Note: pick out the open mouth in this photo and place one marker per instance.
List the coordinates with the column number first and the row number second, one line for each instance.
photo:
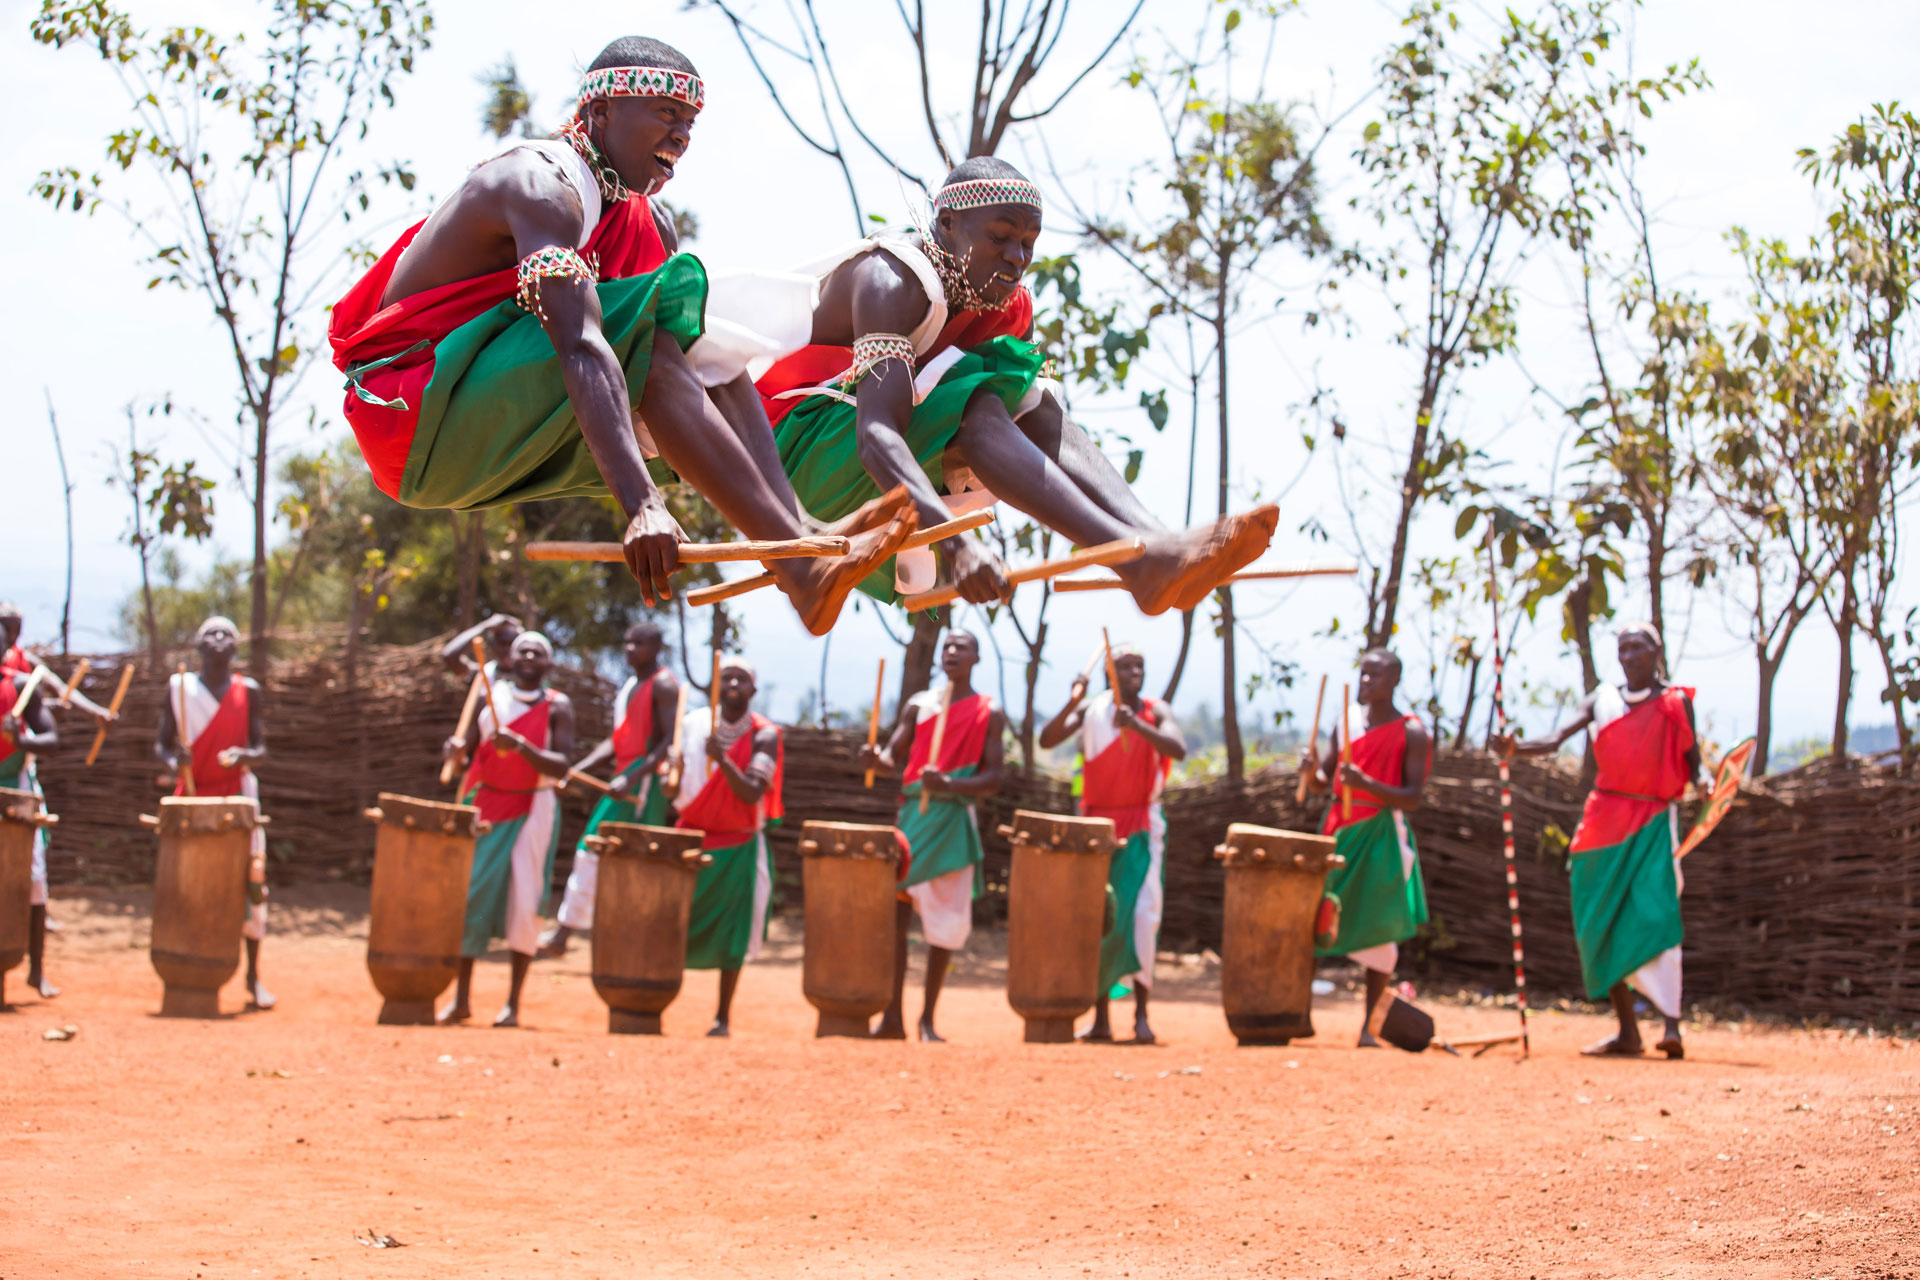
column 666, row 163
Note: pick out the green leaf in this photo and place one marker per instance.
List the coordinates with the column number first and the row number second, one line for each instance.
column 1134, row 458
column 1233, row 19
column 1464, row 525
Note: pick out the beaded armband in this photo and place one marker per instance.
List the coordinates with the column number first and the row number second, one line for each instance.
column 872, row 350
column 555, row 262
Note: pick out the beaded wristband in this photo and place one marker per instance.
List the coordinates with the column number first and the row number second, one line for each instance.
column 555, row 262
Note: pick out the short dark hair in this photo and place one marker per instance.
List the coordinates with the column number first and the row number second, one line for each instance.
column 982, row 167
column 1387, row 654
column 642, row 51
column 960, row 633
column 644, row 630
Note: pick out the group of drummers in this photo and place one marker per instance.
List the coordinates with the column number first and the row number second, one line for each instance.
column 718, row 770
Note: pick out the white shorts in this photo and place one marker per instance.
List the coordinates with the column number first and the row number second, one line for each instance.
column 945, row 904
column 576, row 909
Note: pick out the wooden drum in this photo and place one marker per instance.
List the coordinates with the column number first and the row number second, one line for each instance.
column 200, row 897
column 640, row 914
column 422, row 856
column 1275, row 880
column 20, row 821
column 1056, row 906
column 850, row 881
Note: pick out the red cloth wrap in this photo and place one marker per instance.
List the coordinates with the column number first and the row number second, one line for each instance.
column 1380, row 753
column 1642, row 754
column 228, row 728
column 810, row 366
column 507, row 779
column 15, row 659
column 627, row 243
column 1118, row 783
column 635, row 730
column 965, row 740
column 726, row 820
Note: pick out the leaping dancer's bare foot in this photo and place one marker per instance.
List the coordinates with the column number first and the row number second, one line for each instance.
column 819, row 588
column 869, row 515
column 1182, row 568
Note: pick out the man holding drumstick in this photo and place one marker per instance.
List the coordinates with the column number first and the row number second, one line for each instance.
column 952, row 741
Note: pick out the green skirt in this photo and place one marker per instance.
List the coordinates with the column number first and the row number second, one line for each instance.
column 945, row 838
column 721, row 927
column 1626, row 904
column 820, row 452
column 495, row 423
column 1380, row 901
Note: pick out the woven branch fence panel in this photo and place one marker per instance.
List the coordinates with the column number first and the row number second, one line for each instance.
column 1804, row 901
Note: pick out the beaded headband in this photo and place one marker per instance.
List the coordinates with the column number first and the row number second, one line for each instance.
column 643, row 82
column 977, row 193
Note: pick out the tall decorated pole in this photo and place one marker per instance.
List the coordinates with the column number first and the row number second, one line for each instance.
column 1506, row 798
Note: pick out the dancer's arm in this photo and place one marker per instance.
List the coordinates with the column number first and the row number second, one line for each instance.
column 1068, row 721
column 1508, row 745
column 1413, row 774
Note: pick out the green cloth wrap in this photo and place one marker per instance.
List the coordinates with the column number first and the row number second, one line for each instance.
column 1626, row 904
column 1126, row 875
column 943, row 839
column 495, row 424
column 1378, row 902
column 820, row 453
column 720, row 927
column 487, row 883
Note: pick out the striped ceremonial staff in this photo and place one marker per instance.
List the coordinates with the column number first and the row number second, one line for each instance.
column 1506, row 808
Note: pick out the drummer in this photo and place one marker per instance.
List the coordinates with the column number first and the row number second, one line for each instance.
column 1129, row 743
column 944, row 851
column 20, row 739
column 211, row 728
column 729, row 788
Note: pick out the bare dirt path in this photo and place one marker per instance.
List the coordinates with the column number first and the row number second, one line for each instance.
column 264, row 1143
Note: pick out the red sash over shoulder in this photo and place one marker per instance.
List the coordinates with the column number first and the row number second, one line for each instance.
column 1119, row 782
column 626, row 242
column 1381, row 753
column 964, row 743
column 15, row 659
column 508, row 779
column 635, row 730
column 1641, row 761
column 725, row 818
column 811, row 366
column 228, row 728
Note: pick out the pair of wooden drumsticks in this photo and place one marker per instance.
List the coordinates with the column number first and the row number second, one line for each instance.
column 67, row 688
column 1346, row 747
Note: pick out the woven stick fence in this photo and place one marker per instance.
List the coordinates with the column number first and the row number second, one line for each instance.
column 1806, row 901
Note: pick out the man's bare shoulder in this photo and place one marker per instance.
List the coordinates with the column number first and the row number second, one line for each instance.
column 885, row 292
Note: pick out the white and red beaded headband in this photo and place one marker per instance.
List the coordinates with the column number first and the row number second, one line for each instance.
column 978, row 193
column 643, row 82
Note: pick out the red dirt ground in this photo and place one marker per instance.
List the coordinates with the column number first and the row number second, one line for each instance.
column 263, row 1144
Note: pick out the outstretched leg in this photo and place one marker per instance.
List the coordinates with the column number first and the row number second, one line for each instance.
column 697, row 442
column 1179, row 567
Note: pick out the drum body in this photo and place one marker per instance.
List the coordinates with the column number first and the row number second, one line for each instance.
column 200, row 898
column 422, row 856
column 850, row 880
column 640, row 914
column 1056, row 909
column 1275, row 880
column 20, row 821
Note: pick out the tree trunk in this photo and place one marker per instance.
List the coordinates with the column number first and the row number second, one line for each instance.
column 1580, row 623
column 1380, row 627
column 916, row 667
column 1180, row 662
column 257, row 625
column 1229, row 704
column 1473, row 694
column 1763, row 713
column 1843, row 697
column 469, row 544
column 524, row 602
column 1033, row 683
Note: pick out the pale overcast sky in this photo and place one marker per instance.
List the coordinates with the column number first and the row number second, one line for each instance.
column 1785, row 75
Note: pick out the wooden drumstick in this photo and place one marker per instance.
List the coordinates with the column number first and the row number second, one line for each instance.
column 1346, row 751
column 939, row 736
column 1313, row 742
column 113, row 708
column 697, row 552
column 1119, row 551
column 180, row 732
column 671, row 765
column 67, row 688
column 451, row 764
column 1113, row 672
column 480, row 656
column 577, row 776
column 1300, row 569
column 26, row 693
column 921, row 538
column 873, row 720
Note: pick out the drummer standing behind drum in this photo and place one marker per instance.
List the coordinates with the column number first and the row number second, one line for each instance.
column 638, row 744
column 516, row 767
column 945, row 855
column 20, row 740
column 1128, row 742
column 728, row 787
column 1383, row 898
column 225, row 737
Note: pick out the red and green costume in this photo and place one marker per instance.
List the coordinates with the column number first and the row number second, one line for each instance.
column 1382, row 895
column 632, row 739
column 1122, row 780
column 513, row 860
column 974, row 350
column 455, row 394
column 733, row 894
column 1624, row 880
column 946, row 838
